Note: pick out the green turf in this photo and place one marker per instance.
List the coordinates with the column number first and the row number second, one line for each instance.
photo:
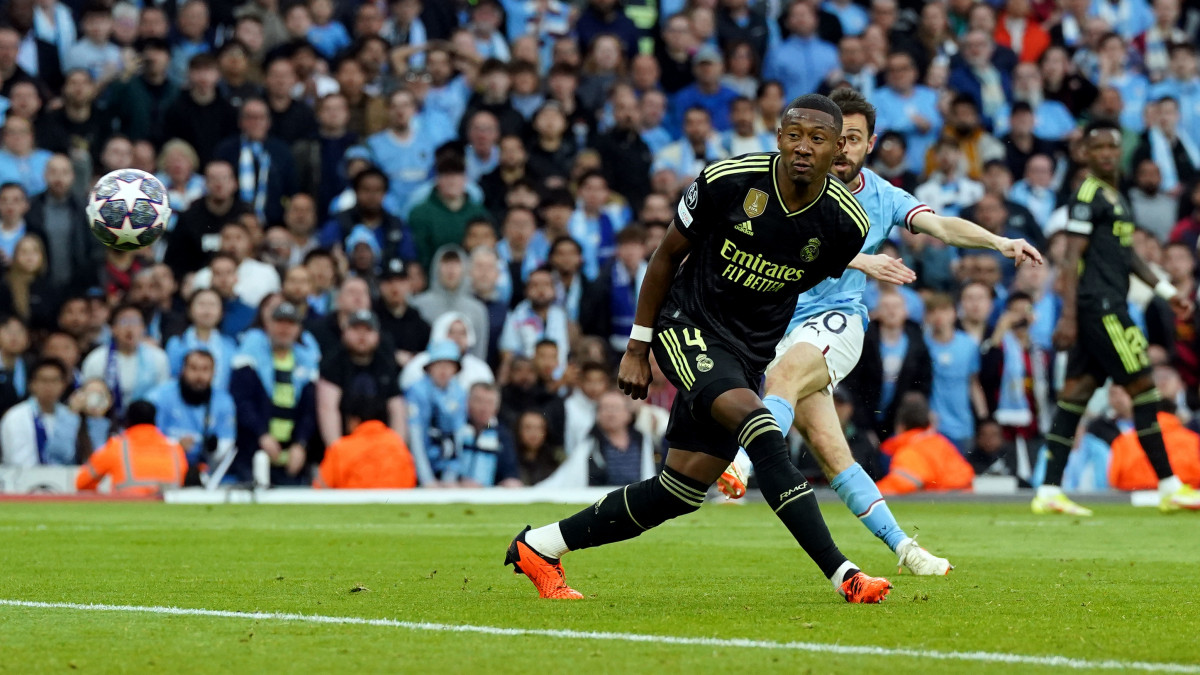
column 1117, row 586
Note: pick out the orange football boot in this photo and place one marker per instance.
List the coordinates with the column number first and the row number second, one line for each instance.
column 545, row 573
column 861, row 588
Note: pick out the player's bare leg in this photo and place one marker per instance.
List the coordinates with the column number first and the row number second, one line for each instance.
column 627, row 512
column 1072, row 403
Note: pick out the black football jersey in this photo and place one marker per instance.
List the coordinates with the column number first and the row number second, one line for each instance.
column 1100, row 212
column 751, row 258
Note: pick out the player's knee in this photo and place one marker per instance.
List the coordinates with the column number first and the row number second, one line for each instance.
column 801, row 371
column 1140, row 385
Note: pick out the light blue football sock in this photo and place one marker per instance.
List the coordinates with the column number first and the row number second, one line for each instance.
column 862, row 497
column 782, row 411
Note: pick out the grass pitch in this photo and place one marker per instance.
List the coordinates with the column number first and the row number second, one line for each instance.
column 1117, row 586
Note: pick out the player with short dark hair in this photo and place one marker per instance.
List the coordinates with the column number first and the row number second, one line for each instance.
column 756, row 230
column 1095, row 326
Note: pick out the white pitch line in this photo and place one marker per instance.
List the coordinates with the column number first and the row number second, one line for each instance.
column 814, row 647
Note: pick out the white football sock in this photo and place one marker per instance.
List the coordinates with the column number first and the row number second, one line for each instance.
column 547, row 540
column 839, row 577
column 1167, row 486
column 1048, row 491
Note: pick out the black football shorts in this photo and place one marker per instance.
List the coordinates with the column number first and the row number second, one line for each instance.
column 1108, row 344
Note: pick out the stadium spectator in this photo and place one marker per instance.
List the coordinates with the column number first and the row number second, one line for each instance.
column 891, row 161
column 580, row 407
column 706, row 92
column 199, row 115
column 485, row 454
column 360, row 367
column 678, row 163
column 205, row 310
column 370, row 456
column 193, row 412
column 266, row 171
column 537, row 317
column 1153, row 209
column 485, row 273
column 291, row 120
column 804, row 59
column 153, row 295
column 95, row 52
column 1171, row 147
column 391, row 234
column 894, row 362
column 455, row 327
column 441, row 219
column 236, row 316
column 255, row 279
column 907, row 108
column 625, row 156
column 27, row 291
column 196, row 236
column 129, row 365
column 437, row 408
column 140, row 461
column 613, row 453
column 975, row 143
column 956, row 397
column 40, row 429
column 21, row 162
column 1015, row 374
column 401, row 322
column 948, row 190
column 1036, row 190
column 983, row 75
column 537, row 457
column 921, row 459
column 450, row 290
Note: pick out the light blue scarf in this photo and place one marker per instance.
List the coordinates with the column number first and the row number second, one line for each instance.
column 1164, row 157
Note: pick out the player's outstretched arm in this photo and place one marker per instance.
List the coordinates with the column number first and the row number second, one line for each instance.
column 634, row 375
column 965, row 234
column 1163, row 288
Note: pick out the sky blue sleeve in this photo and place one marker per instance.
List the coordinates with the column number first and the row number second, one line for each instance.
column 901, row 208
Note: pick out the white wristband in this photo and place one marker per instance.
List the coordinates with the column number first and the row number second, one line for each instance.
column 1165, row 290
column 641, row 333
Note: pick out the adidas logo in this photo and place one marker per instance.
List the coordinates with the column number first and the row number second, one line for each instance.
column 744, row 228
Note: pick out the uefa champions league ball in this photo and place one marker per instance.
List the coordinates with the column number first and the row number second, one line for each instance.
column 128, row 209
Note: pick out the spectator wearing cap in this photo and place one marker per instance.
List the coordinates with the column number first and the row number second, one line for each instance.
column 266, row 172
column 441, row 219
column 139, row 104
column 362, row 254
column 194, row 413
column 40, row 429
column 678, row 163
column 273, row 386
column 455, row 327
column 397, row 319
column 255, row 279
column 536, row 318
column 200, row 115
column 437, row 407
column 450, row 291
column 706, row 92
column 910, row 109
column 129, row 365
column 402, row 151
column 803, row 60
column 361, row 367
column 370, row 455
column 95, row 52
column 205, row 310
column 140, row 460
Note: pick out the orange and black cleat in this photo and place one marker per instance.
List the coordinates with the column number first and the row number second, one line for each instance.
column 861, row 588
column 545, row 573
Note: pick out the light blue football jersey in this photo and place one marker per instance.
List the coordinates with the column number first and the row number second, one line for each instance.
column 887, row 206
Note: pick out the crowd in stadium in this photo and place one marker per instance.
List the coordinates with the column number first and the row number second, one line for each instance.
column 432, row 218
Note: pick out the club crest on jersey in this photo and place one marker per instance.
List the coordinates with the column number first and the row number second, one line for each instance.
column 756, row 202
column 809, row 252
column 703, row 363
column 693, row 196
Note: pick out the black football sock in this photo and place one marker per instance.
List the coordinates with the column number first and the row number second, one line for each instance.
column 1060, row 439
column 629, row 511
column 1145, row 420
column 787, row 492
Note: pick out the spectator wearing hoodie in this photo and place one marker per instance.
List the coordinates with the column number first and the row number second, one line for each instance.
column 452, row 326
column 437, row 409
column 363, row 256
column 450, row 291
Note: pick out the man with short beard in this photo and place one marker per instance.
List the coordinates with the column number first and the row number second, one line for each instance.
column 194, row 415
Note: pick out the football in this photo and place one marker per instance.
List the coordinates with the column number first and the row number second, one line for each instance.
column 128, row 209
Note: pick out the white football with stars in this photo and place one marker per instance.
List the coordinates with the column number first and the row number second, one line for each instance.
column 128, row 209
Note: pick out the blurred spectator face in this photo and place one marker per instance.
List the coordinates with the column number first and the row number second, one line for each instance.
column 64, row 348
column 851, row 54
column 178, row 164
column 28, row 256
column 741, row 114
column 625, row 108
column 708, row 73
column 297, row 21
column 644, row 72
column 991, row 214
column 165, row 279
column 14, row 338
column 255, row 120
column 1054, row 65
column 60, row 175
column 351, row 79
column 525, row 48
column 654, row 236
column 10, row 43
column 13, row 204
column 1119, row 401
column 1178, row 262
column 457, row 331
column 987, row 270
column 234, row 63
column 193, row 20
column 566, row 259
column 883, row 13
column 439, row 66
column 1031, row 279
column 1112, row 53
column 631, row 254
column 368, row 20
column 78, row 89
column 18, row 136
column 144, row 157
column 1167, row 380
column 203, row 81
column 277, row 247
column 948, row 158
column 97, row 27
column 353, row 296
column 394, row 291
column 612, row 415
column 485, row 272
column 677, row 34
column 901, row 73
column 1147, row 247
column 497, row 84
column 143, row 291
column 1022, row 313
column 450, row 272
column 996, row 178
column 606, row 54
column 369, row 195
column 941, row 319
column 539, row 290
column 964, row 118
column 483, row 132
column 770, row 103
column 155, row 62
column 696, row 127
column 1168, row 116
column 297, row 285
column 801, row 19
column 519, row 226
column 1027, row 83
column 531, row 430
column 281, row 77
column 525, row 82
column 128, row 329
column 483, row 404
column 360, row 341
column 301, row 215
column 401, row 111
column 656, row 209
column 47, row 385
column 891, row 152
column 305, row 60
column 512, row 152
column 249, row 31
column 153, row 23
column 333, row 114
column 594, row 383
column 451, row 186
column 479, row 233
column 74, row 317
column 977, row 46
column 933, row 19
column 441, row 372
column 1039, row 171
column 545, row 361
column 522, row 374
column 205, row 309
column 521, row 197
column 562, row 86
column 197, row 372
column 593, row 192
column 1183, row 64
column 1108, row 104
column 989, row 439
column 653, row 107
column 704, row 23
column 224, row 276
column 891, row 312
column 218, row 177
column 236, row 242
column 982, row 18
column 283, row 334
column 1022, row 123
column 976, row 303
column 24, row 101
column 322, row 272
